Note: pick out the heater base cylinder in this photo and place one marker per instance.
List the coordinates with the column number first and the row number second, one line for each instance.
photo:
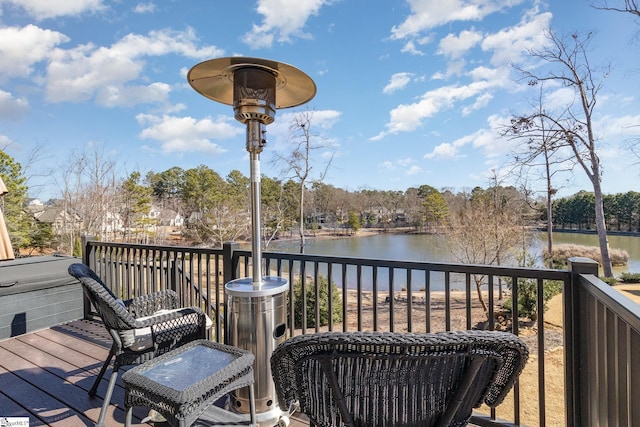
column 257, row 322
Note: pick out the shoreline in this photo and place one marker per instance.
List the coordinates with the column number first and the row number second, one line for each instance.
column 334, row 233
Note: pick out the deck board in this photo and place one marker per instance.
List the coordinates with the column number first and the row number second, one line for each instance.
column 52, row 382
column 46, row 374
column 41, row 405
column 12, row 409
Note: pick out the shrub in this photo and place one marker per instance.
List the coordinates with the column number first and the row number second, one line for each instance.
column 528, row 292
column 77, row 247
column 630, row 277
column 528, row 297
column 609, row 280
column 323, row 295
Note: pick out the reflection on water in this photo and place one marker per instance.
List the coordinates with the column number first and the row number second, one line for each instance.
column 631, row 244
column 402, row 247
column 428, row 248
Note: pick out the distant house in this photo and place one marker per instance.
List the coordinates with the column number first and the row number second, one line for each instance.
column 34, row 203
column 112, row 223
column 171, row 218
column 401, row 215
column 166, row 217
column 195, row 217
column 63, row 221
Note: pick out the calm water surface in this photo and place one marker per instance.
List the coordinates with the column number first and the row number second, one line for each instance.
column 434, row 248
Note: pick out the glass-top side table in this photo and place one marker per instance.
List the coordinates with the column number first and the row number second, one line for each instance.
column 183, row 383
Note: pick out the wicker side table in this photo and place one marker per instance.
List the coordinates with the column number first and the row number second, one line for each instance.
column 183, row 383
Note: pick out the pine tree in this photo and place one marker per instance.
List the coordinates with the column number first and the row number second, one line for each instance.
column 18, row 220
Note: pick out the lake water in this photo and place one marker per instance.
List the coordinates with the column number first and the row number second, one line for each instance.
column 434, row 248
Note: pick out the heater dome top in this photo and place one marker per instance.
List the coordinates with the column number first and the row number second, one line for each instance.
column 214, row 80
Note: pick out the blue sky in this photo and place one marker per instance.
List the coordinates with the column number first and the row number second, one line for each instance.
column 408, row 92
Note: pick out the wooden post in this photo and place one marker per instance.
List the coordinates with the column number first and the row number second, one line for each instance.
column 229, row 262
column 573, row 338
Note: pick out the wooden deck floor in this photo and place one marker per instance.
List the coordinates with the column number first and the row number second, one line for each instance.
column 45, row 376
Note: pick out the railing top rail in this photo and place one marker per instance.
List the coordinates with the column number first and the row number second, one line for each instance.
column 192, row 249
column 541, row 273
column 622, row 305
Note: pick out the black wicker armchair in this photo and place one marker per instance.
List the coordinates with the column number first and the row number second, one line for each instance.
column 396, row 379
column 142, row 328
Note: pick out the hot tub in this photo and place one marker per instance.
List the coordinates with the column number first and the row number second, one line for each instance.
column 37, row 293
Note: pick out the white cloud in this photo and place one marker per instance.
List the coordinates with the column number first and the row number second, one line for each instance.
column 487, row 140
column 480, row 102
column 456, row 46
column 398, row 81
column 109, row 73
column 501, row 47
column 144, row 8
column 12, row 108
column 22, row 48
column 428, row 14
column 444, row 151
column 322, row 120
column 410, row 47
column 408, row 117
column 113, row 96
column 497, row 75
column 510, row 44
column 413, row 170
column 43, row 9
column 326, row 119
column 624, row 126
column 282, row 19
column 559, row 99
column 405, row 162
column 491, row 144
column 186, row 134
column 5, row 141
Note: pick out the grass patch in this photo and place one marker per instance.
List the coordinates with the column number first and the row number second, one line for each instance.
column 630, row 278
column 561, row 253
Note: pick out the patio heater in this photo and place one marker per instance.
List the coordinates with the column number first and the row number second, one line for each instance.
column 255, row 310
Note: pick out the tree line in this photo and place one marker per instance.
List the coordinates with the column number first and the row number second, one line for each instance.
column 94, row 200
column 216, row 208
column 621, row 211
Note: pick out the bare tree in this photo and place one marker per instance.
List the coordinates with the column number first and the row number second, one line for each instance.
column 88, row 186
column 626, row 6
column 485, row 228
column 298, row 163
column 543, row 151
column 273, row 210
column 632, row 7
column 569, row 66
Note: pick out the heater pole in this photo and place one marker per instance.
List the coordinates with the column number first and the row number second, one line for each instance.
column 255, row 142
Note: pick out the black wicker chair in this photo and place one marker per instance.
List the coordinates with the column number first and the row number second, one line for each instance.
column 395, row 379
column 142, row 328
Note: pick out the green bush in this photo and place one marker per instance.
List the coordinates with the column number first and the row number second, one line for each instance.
column 77, row 247
column 609, row 280
column 528, row 297
column 630, row 277
column 528, row 292
column 323, row 283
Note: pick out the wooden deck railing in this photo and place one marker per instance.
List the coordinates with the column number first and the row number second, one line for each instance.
column 602, row 329
column 600, row 326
